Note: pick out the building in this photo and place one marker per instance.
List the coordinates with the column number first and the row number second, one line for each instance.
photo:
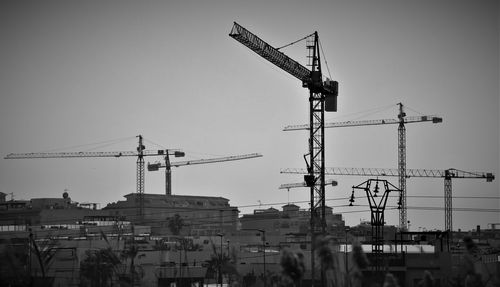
column 291, row 219
column 200, row 215
column 44, row 211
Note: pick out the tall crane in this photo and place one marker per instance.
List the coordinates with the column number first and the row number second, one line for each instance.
column 401, row 121
column 322, row 97
column 447, row 174
column 168, row 165
column 140, row 153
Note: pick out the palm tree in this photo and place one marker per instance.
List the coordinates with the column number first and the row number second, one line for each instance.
column 293, row 268
column 327, row 261
column 99, row 267
column 175, row 224
column 360, row 262
column 223, row 262
column 44, row 253
column 390, row 281
column 129, row 253
column 427, row 280
column 13, row 262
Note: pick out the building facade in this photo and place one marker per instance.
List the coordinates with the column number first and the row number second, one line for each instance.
column 199, row 215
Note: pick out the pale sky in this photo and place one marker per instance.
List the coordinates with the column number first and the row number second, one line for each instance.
column 80, row 72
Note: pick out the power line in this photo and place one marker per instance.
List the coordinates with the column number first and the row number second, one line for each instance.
column 229, row 208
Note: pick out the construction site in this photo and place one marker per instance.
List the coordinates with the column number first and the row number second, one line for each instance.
column 87, row 219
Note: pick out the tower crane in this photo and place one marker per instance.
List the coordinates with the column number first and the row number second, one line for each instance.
column 447, row 174
column 322, row 97
column 401, row 121
column 168, row 165
column 140, row 153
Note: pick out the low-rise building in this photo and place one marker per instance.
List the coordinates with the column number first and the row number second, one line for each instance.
column 291, row 219
column 200, row 215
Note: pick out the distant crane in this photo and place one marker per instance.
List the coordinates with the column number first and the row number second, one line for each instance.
column 140, row 153
column 447, row 174
column 401, row 121
column 168, row 165
column 322, row 97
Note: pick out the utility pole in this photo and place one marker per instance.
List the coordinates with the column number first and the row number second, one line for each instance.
column 221, row 235
column 377, row 208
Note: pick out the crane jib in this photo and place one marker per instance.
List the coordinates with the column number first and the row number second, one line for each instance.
column 270, row 53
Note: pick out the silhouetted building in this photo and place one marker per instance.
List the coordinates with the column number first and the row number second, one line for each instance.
column 43, row 211
column 291, row 219
column 200, row 215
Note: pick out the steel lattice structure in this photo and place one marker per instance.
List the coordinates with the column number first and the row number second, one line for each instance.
column 140, row 153
column 377, row 205
column 403, row 211
column 447, row 175
column 322, row 97
column 400, row 121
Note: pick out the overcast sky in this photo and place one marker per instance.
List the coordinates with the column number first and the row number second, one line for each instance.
column 79, row 72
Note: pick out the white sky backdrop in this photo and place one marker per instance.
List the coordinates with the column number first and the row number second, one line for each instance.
column 79, row 72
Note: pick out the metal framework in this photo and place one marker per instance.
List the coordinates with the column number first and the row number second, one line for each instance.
column 448, row 206
column 168, row 165
column 447, row 174
column 304, row 184
column 140, row 153
column 403, row 212
column 140, row 178
column 407, row 120
column 401, row 121
column 377, row 207
column 269, row 53
column 322, row 96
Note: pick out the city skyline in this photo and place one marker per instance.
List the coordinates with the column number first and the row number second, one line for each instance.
column 75, row 73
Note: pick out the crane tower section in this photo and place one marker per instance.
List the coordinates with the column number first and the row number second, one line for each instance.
column 322, row 97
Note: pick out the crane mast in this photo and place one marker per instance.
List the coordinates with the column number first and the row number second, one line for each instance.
column 403, row 213
column 322, row 97
column 140, row 177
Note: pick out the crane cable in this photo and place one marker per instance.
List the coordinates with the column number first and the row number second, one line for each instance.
column 92, row 146
column 295, row 42
column 324, row 57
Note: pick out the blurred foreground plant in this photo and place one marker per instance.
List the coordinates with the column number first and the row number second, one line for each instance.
column 293, row 268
